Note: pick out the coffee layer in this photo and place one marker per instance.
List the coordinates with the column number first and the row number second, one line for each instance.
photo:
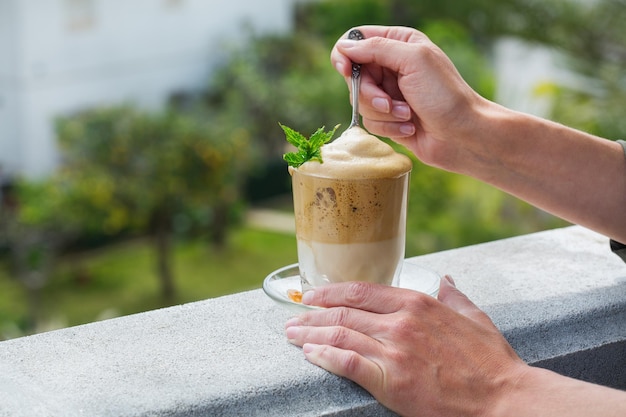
column 347, row 211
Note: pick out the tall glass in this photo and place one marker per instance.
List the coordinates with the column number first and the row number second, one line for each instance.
column 349, row 229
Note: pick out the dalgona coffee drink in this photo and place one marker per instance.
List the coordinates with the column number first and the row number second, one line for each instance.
column 350, row 211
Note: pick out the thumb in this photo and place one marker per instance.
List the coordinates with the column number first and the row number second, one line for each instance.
column 451, row 296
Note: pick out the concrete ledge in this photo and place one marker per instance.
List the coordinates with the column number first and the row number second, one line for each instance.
column 559, row 297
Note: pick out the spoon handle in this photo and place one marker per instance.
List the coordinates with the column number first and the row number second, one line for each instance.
column 355, row 34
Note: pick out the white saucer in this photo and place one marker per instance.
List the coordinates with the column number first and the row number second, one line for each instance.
column 278, row 283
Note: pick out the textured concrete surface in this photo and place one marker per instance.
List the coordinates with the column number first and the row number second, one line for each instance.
column 559, row 296
column 551, row 293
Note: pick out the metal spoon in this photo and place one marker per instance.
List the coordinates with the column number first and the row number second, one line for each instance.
column 355, row 34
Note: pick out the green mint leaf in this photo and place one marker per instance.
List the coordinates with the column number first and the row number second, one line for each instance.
column 320, row 137
column 293, row 137
column 308, row 149
column 294, row 159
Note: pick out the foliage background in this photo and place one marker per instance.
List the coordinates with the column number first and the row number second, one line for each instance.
column 77, row 247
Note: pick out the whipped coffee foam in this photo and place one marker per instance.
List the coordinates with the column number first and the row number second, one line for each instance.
column 358, row 155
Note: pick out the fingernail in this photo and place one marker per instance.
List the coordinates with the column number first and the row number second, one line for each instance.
column 407, row 129
column 346, row 43
column 381, row 104
column 294, row 321
column 450, row 280
column 309, row 348
column 401, row 111
column 307, row 297
column 340, row 68
column 292, row 333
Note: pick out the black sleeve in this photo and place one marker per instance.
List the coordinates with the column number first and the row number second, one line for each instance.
column 619, row 248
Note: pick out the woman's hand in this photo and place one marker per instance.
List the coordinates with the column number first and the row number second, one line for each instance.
column 411, row 92
column 416, row 355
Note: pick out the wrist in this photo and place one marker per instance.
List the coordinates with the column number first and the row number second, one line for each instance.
column 537, row 392
column 508, row 149
column 483, row 151
column 518, row 393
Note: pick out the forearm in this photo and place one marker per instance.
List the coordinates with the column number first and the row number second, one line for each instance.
column 540, row 392
column 574, row 175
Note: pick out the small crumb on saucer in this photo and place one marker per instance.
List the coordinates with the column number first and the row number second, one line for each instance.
column 295, row 295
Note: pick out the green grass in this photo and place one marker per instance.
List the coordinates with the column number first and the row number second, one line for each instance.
column 120, row 279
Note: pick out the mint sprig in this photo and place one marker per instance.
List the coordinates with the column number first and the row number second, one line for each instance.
column 308, row 149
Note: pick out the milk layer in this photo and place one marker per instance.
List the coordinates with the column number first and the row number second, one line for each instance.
column 378, row 262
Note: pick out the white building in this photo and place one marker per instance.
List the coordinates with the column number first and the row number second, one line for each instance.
column 60, row 56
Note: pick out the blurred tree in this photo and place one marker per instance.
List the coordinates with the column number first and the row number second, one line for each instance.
column 591, row 40
column 272, row 79
column 35, row 226
column 328, row 20
column 484, row 20
column 129, row 170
